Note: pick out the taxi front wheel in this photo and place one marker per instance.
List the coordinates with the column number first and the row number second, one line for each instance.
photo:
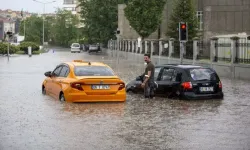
column 62, row 98
column 43, row 90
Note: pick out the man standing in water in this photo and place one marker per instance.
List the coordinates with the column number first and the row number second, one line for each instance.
column 148, row 83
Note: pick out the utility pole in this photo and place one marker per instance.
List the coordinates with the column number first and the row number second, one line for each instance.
column 44, row 3
column 10, row 34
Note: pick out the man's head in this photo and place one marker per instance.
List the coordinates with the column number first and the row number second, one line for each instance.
column 147, row 58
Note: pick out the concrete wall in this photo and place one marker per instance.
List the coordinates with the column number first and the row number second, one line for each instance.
column 226, row 17
column 237, row 71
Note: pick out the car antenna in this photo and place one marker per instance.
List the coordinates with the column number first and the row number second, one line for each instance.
column 89, row 63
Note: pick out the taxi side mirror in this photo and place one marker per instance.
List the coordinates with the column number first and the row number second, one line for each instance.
column 48, row 74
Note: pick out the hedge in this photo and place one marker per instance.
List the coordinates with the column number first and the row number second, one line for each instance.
column 24, row 46
column 4, row 48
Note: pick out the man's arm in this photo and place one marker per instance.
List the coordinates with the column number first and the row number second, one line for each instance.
column 148, row 75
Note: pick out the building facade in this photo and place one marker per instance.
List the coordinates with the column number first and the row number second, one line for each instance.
column 70, row 5
column 216, row 17
column 6, row 26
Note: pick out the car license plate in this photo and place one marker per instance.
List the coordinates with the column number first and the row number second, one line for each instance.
column 100, row 87
column 206, row 89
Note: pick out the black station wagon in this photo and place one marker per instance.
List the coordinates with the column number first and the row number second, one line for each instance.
column 182, row 81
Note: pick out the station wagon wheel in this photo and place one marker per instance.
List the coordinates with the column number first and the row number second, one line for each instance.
column 43, row 90
column 61, row 97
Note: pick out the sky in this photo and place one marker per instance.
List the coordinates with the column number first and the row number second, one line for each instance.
column 30, row 5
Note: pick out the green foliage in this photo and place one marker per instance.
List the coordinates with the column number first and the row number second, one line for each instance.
column 100, row 19
column 184, row 11
column 24, row 46
column 20, row 52
column 57, row 30
column 33, row 29
column 144, row 16
column 64, row 28
column 4, row 48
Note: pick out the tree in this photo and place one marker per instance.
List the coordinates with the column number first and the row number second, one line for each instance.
column 33, row 29
column 144, row 16
column 99, row 19
column 64, row 28
column 184, row 11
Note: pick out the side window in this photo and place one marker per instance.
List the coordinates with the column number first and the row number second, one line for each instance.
column 156, row 74
column 64, row 72
column 167, row 74
column 174, row 75
column 56, row 72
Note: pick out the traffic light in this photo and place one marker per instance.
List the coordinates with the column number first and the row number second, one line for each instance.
column 183, row 31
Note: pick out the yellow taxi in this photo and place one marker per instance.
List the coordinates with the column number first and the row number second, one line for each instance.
column 82, row 81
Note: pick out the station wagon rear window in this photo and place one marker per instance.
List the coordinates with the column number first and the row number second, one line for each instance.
column 93, row 71
column 199, row 74
column 75, row 45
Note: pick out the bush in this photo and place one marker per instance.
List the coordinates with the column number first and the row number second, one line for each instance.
column 24, row 46
column 4, row 48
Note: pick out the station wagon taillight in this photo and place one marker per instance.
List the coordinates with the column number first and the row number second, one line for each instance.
column 187, row 85
column 77, row 86
column 121, row 86
column 220, row 85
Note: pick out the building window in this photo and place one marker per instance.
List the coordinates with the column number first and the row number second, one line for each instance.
column 199, row 15
column 69, row 2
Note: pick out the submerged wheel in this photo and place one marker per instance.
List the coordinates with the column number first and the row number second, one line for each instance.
column 61, row 97
column 43, row 90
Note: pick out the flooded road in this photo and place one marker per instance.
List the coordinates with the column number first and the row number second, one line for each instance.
column 29, row 120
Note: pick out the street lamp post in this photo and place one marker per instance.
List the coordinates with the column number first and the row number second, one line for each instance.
column 44, row 3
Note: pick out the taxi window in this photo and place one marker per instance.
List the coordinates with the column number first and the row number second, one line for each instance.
column 56, row 72
column 64, row 72
column 93, row 71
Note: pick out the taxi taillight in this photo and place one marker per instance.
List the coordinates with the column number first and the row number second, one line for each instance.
column 77, row 86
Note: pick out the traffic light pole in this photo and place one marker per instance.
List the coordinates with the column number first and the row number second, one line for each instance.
column 181, row 51
column 118, row 48
column 183, row 38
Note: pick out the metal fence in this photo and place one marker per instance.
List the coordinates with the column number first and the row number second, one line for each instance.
column 222, row 49
column 204, row 50
column 243, row 51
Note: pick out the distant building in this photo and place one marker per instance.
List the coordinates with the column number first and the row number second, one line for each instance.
column 6, row 25
column 70, row 5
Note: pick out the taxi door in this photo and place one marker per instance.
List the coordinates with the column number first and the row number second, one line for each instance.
column 59, row 80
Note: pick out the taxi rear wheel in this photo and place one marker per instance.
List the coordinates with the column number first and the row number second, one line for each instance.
column 61, row 97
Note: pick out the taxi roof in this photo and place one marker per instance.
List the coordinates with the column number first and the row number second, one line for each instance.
column 85, row 63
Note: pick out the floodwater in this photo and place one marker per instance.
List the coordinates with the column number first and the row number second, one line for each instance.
column 30, row 120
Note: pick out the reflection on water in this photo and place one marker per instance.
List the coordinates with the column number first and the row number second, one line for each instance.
column 95, row 109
